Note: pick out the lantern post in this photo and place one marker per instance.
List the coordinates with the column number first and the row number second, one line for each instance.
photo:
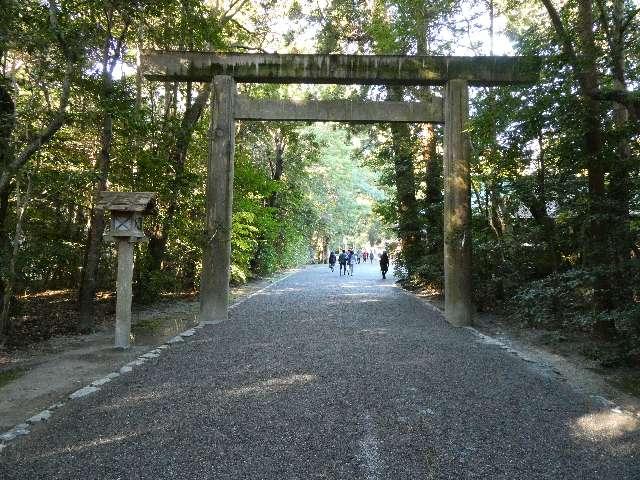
column 127, row 211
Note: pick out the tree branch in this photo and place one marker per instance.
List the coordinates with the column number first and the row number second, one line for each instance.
column 240, row 26
column 45, row 135
column 55, row 27
column 191, row 116
column 119, row 44
column 247, row 47
column 626, row 98
column 604, row 19
column 563, row 35
column 229, row 14
column 59, row 117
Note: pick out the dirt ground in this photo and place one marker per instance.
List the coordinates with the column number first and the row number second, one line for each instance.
column 50, row 361
column 570, row 355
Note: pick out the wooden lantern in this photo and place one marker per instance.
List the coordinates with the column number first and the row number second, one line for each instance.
column 127, row 210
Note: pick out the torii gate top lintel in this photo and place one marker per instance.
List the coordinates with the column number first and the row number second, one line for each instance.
column 338, row 69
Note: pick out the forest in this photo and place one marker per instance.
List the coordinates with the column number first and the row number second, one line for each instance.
column 555, row 187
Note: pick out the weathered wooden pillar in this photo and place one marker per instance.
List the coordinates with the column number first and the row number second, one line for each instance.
column 124, row 293
column 214, row 288
column 457, row 206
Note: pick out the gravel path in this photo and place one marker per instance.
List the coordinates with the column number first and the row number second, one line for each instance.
column 321, row 376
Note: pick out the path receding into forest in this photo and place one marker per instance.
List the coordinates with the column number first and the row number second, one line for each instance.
column 321, row 376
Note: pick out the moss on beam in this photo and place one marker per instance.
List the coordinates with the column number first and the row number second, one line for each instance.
column 338, row 69
column 339, row 111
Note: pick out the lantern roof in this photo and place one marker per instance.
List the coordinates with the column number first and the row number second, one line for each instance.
column 127, row 201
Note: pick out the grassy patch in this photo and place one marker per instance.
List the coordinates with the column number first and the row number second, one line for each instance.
column 149, row 325
column 629, row 383
column 9, row 376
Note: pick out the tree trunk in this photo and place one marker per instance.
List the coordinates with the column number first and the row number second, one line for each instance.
column 408, row 223
column 159, row 239
column 277, row 167
column 4, row 210
column 599, row 225
column 596, row 251
column 432, row 160
column 433, row 191
column 538, row 209
column 7, row 124
column 89, row 280
column 494, row 211
column 9, row 284
column 619, row 185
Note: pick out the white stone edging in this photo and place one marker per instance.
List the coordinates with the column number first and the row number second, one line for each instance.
column 42, row 417
column 23, row 429
column 488, row 340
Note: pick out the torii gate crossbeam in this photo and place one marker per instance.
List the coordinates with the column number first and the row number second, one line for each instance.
column 337, row 69
column 223, row 70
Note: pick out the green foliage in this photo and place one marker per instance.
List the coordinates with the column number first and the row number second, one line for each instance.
column 564, row 301
column 243, row 239
column 558, row 300
column 300, row 189
column 153, row 283
column 9, row 376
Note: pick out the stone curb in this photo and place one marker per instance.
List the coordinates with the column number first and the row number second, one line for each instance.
column 23, row 429
column 42, row 417
column 486, row 339
column 599, row 400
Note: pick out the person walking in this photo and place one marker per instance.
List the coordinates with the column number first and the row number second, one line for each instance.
column 342, row 260
column 332, row 260
column 351, row 259
column 384, row 264
column 371, row 255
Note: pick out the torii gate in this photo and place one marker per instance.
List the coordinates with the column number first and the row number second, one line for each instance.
column 225, row 69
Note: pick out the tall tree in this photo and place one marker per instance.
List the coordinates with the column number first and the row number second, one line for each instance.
column 32, row 32
column 225, row 25
column 114, row 20
column 583, row 55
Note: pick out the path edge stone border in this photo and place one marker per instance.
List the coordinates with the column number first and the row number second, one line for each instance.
column 489, row 340
column 23, row 429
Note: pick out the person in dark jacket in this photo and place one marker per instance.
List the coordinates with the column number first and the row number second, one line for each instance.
column 342, row 260
column 332, row 260
column 384, row 264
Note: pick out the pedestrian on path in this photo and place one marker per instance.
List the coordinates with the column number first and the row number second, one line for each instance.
column 384, row 264
column 351, row 260
column 342, row 260
column 332, row 260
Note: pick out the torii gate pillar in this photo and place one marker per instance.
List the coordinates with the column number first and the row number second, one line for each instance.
column 457, row 206
column 216, row 263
